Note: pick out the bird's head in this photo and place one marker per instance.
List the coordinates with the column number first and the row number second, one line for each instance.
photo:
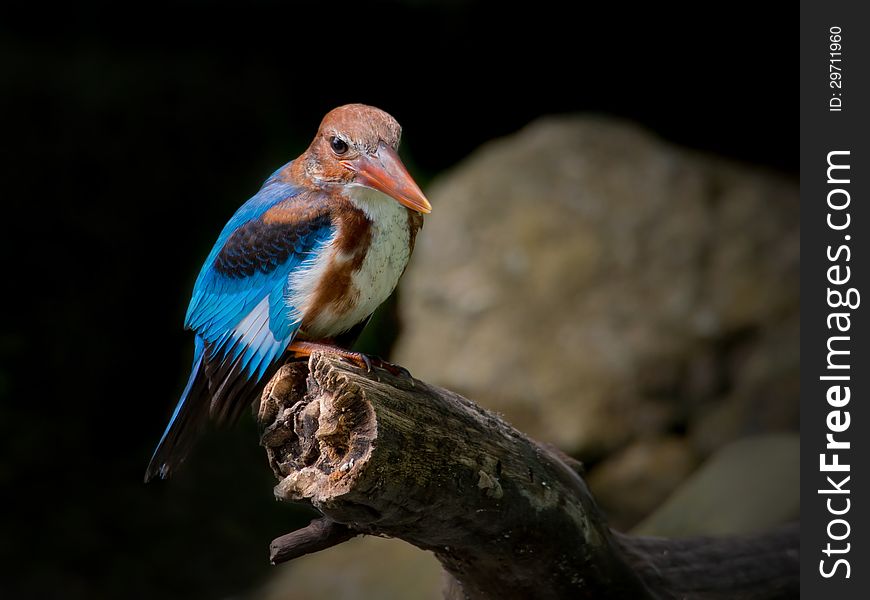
column 356, row 145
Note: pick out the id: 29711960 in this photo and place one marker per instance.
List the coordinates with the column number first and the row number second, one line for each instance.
column 835, row 68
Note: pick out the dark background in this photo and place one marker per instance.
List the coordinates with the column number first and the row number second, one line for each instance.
column 131, row 132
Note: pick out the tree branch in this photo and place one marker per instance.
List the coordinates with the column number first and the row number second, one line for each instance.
column 319, row 535
column 506, row 517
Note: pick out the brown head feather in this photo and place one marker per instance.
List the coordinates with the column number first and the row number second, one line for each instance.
column 361, row 127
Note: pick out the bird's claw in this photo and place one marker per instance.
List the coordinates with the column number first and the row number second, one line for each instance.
column 364, row 361
column 393, row 369
column 357, row 359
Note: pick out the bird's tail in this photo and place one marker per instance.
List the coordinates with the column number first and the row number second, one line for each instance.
column 187, row 421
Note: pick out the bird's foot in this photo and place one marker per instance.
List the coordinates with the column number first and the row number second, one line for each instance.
column 391, row 368
column 364, row 361
column 358, row 359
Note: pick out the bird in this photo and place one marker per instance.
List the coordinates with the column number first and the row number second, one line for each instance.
column 300, row 267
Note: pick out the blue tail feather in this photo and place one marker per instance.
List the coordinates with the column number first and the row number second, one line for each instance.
column 187, row 419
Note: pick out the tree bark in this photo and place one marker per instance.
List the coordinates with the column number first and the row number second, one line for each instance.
column 506, row 517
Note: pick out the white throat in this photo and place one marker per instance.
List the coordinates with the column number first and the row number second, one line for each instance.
column 376, row 205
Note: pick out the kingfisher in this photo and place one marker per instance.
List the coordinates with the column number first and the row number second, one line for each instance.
column 300, row 267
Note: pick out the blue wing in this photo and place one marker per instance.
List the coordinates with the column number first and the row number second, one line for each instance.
column 239, row 305
column 240, row 310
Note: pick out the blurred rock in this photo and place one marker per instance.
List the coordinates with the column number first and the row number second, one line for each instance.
column 594, row 283
column 363, row 568
column 765, row 391
column 629, row 484
column 748, row 486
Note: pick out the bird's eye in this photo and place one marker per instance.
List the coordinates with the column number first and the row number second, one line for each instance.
column 339, row 146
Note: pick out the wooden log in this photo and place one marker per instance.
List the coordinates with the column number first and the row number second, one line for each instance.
column 506, row 517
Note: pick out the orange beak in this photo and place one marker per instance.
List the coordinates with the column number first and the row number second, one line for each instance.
column 385, row 173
